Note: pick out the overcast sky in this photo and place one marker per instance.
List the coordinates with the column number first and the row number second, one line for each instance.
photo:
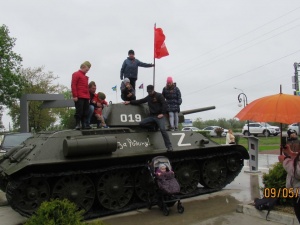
column 214, row 45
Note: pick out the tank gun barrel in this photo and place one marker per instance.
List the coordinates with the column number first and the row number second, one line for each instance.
column 197, row 110
column 186, row 112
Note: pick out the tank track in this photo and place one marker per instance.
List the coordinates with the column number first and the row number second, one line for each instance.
column 135, row 203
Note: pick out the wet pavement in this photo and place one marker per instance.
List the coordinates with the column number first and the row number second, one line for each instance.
column 217, row 208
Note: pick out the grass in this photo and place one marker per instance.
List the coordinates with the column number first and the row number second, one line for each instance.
column 264, row 143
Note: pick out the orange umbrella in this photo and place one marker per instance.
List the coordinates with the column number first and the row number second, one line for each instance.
column 281, row 108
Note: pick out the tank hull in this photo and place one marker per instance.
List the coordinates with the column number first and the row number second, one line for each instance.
column 104, row 171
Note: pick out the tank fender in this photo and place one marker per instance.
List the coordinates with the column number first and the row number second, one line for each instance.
column 74, row 147
column 20, row 154
column 241, row 149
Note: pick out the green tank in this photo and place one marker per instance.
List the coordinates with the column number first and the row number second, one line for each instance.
column 104, row 171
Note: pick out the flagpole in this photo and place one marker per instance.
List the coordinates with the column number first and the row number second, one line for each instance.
column 154, row 57
column 116, row 95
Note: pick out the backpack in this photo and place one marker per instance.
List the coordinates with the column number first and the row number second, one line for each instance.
column 265, row 204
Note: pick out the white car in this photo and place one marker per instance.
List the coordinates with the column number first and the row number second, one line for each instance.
column 294, row 127
column 260, row 128
column 212, row 132
column 190, row 129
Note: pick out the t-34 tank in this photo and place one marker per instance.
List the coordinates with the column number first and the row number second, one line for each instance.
column 104, row 171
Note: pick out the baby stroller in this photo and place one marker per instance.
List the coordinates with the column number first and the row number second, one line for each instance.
column 166, row 185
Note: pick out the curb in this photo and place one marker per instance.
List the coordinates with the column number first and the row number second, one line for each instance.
column 274, row 216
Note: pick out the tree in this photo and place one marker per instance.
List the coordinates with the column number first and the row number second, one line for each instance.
column 11, row 83
column 37, row 82
column 10, row 63
column 1, row 114
column 198, row 123
column 222, row 122
column 66, row 115
column 67, row 120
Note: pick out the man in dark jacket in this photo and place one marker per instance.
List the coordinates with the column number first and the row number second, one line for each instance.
column 130, row 68
column 157, row 107
column 81, row 95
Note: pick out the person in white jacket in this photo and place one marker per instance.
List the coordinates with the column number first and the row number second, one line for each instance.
column 230, row 139
column 291, row 164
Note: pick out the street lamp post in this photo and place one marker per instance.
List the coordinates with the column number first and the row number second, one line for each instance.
column 252, row 142
column 240, row 104
column 241, row 92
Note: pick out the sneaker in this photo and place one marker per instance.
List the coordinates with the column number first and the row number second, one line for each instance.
column 105, row 126
column 170, row 149
column 77, row 126
column 171, row 129
column 176, row 128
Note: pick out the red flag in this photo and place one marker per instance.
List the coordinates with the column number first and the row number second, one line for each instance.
column 160, row 49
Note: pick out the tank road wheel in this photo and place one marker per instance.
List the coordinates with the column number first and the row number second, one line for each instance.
column 187, row 174
column 78, row 189
column 214, row 173
column 115, row 189
column 144, row 185
column 26, row 196
column 234, row 162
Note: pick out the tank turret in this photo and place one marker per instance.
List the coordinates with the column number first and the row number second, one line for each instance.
column 131, row 115
column 104, row 171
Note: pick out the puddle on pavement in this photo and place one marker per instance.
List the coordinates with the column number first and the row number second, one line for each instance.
column 243, row 189
column 195, row 211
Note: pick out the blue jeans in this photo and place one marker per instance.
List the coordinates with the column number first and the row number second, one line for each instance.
column 173, row 118
column 90, row 114
column 160, row 123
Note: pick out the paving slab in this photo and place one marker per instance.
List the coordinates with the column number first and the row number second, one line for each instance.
column 274, row 216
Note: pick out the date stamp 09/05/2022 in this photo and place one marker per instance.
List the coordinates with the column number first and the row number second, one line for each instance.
column 281, row 192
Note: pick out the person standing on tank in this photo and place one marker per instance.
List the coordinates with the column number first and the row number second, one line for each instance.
column 172, row 95
column 130, row 68
column 157, row 107
column 93, row 104
column 81, row 95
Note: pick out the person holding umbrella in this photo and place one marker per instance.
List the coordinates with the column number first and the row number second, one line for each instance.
column 291, row 163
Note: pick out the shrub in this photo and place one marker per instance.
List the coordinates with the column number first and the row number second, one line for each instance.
column 204, row 133
column 219, row 131
column 276, row 178
column 56, row 212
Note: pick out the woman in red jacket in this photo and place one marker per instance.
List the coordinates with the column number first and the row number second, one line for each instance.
column 81, row 95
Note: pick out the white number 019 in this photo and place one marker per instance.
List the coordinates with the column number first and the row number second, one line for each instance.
column 130, row 118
